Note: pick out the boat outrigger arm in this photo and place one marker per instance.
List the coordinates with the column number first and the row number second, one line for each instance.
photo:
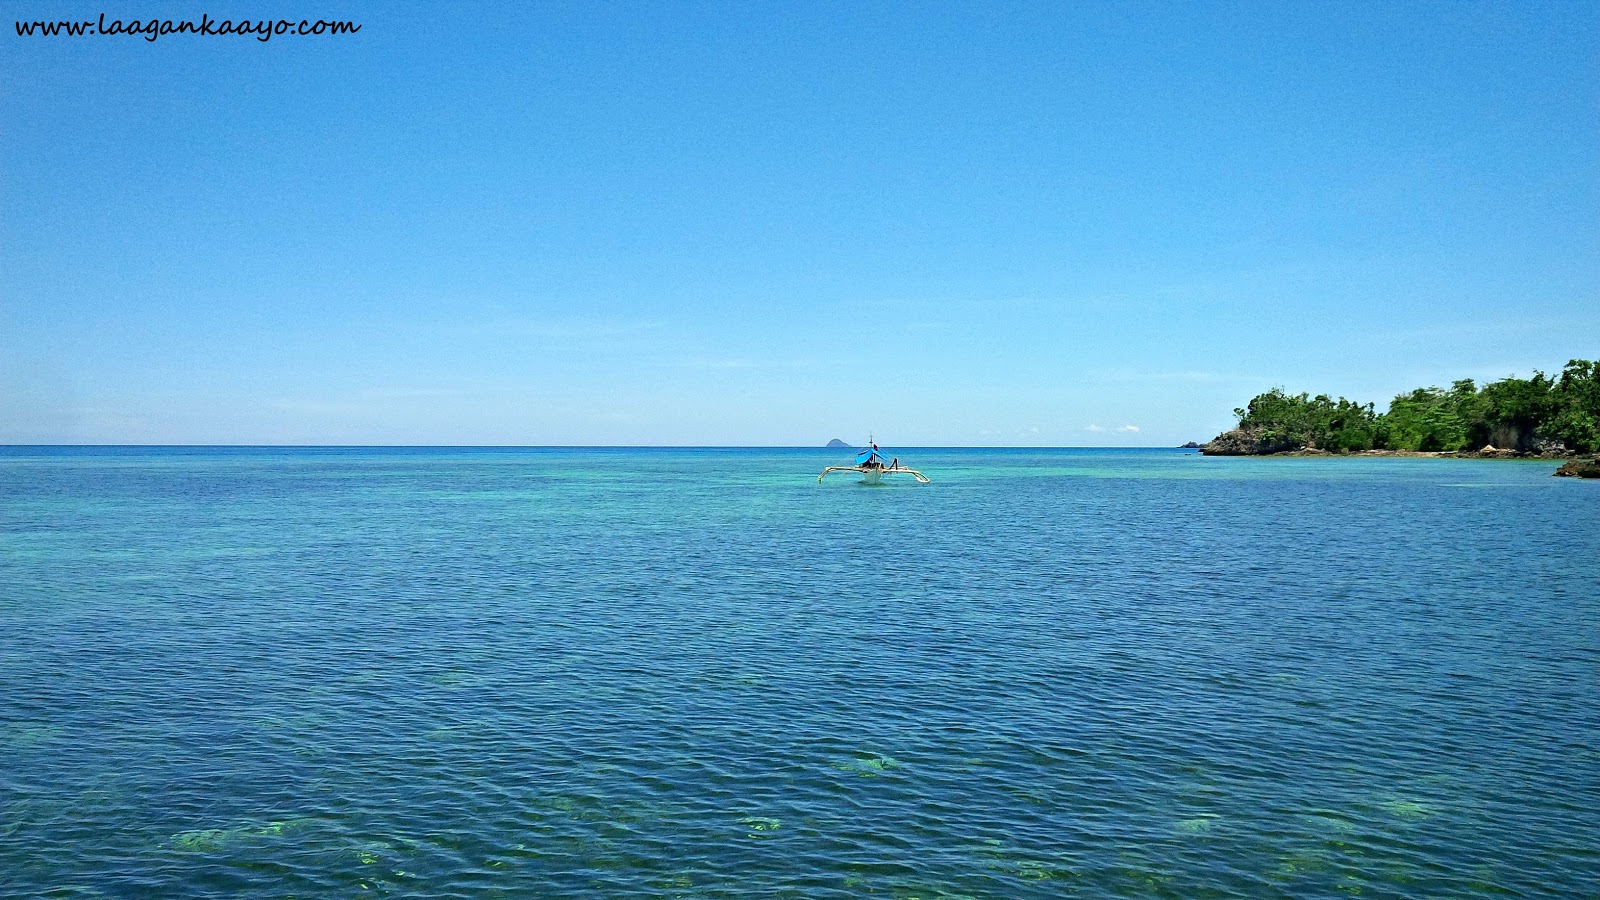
column 876, row 471
column 869, row 462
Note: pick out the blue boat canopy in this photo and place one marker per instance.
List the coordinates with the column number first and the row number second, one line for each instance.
column 869, row 455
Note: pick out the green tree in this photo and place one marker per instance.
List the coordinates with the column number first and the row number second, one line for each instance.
column 1508, row 413
column 1576, row 397
column 1428, row 419
column 1523, row 414
column 1281, row 421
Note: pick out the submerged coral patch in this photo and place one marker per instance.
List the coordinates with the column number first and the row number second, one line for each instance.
column 760, row 826
column 1407, row 809
column 1200, row 824
column 869, row 766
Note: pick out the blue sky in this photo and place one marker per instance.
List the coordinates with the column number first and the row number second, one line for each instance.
column 1062, row 224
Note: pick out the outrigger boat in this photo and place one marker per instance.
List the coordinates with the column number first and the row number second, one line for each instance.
column 871, row 466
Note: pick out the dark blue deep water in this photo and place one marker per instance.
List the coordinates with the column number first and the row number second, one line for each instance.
column 700, row 674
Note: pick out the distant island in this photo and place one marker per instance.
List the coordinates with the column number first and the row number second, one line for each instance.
column 1543, row 417
column 837, row 444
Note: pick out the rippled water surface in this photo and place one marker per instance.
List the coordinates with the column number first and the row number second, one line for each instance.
column 699, row 673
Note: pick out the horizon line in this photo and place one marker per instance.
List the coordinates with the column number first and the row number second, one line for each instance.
column 600, row 446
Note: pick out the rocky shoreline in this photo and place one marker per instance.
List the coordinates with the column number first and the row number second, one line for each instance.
column 1252, row 442
column 1485, row 453
column 1580, row 468
column 1243, row 443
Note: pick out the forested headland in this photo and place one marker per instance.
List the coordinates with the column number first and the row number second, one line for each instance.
column 1539, row 416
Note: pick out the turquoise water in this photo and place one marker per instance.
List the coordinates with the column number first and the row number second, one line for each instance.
column 698, row 673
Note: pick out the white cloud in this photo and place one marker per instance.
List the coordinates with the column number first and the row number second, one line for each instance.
column 1129, row 428
column 1095, row 428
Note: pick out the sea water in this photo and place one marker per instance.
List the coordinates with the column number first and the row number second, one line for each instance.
column 698, row 673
